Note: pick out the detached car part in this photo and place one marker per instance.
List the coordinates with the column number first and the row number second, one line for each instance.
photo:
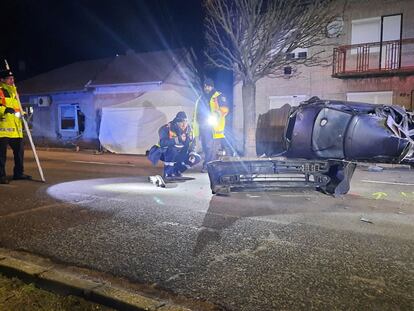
column 331, row 177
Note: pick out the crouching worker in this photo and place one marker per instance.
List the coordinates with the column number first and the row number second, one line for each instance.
column 176, row 147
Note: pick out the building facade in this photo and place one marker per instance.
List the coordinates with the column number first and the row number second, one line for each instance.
column 65, row 105
column 372, row 60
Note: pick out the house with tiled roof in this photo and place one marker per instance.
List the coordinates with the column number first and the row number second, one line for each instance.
column 67, row 105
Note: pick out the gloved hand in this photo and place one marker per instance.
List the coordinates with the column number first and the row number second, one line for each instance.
column 191, row 159
column 9, row 110
column 183, row 137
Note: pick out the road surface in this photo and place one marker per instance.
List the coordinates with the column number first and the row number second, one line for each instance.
column 248, row 251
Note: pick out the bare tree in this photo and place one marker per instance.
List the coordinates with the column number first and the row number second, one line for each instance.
column 253, row 38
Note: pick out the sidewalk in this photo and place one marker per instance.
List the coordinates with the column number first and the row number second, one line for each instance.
column 73, row 288
column 16, row 295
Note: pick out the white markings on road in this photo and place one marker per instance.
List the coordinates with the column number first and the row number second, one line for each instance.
column 252, row 196
column 103, row 163
column 387, row 182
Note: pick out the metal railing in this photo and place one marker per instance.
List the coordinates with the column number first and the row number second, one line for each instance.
column 393, row 57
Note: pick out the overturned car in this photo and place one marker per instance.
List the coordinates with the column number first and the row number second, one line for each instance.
column 317, row 144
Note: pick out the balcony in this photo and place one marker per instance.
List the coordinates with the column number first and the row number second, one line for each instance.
column 374, row 59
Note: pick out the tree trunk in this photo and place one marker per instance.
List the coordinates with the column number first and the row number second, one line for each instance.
column 249, row 118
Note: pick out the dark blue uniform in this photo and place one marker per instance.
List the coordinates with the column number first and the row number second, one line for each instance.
column 176, row 149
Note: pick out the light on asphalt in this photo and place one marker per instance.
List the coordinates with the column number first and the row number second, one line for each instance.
column 126, row 187
column 107, row 188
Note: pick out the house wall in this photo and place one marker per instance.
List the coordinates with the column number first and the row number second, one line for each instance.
column 317, row 81
column 46, row 128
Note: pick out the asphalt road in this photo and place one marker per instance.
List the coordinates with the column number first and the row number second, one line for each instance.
column 248, row 251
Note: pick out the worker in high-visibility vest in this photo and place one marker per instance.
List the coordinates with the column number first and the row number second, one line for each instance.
column 175, row 148
column 11, row 128
column 210, row 121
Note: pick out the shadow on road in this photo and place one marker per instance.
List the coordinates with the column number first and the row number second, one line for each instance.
column 224, row 212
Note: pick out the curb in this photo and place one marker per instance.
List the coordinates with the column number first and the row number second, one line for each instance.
column 90, row 285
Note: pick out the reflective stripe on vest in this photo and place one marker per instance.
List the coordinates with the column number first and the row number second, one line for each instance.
column 9, row 129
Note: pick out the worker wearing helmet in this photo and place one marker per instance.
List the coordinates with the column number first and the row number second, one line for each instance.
column 176, row 147
column 210, row 121
column 11, row 130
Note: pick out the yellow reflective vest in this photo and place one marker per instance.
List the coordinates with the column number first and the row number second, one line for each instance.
column 10, row 124
column 220, row 112
column 218, row 130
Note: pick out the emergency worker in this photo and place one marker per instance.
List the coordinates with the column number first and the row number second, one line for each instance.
column 176, row 147
column 210, row 121
column 11, row 127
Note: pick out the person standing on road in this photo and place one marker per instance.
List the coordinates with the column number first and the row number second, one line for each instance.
column 176, row 147
column 210, row 121
column 11, row 127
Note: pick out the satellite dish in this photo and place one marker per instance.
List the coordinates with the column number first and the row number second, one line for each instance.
column 335, row 28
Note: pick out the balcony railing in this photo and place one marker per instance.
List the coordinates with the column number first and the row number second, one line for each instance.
column 387, row 58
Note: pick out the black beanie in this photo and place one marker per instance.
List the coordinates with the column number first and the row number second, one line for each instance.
column 180, row 117
column 208, row 81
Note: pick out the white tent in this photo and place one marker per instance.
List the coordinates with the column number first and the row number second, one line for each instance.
column 132, row 127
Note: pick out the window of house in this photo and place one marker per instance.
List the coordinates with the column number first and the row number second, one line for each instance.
column 287, row 70
column 391, row 27
column 302, row 55
column 366, row 30
column 369, row 30
column 379, row 29
column 68, row 117
column 290, row 56
column 298, row 53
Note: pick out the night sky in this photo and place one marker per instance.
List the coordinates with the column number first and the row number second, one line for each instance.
column 41, row 35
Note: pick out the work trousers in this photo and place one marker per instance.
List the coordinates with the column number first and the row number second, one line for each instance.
column 212, row 146
column 208, row 144
column 176, row 160
column 17, row 146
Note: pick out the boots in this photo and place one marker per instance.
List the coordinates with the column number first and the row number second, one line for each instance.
column 168, row 171
column 22, row 177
